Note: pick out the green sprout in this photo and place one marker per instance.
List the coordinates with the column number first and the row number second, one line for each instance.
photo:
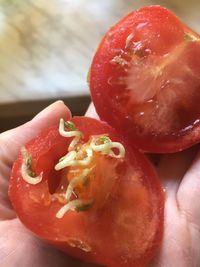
column 104, row 139
column 70, row 125
column 84, row 207
column 29, row 166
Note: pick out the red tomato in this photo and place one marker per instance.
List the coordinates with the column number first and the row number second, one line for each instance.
column 145, row 80
column 123, row 227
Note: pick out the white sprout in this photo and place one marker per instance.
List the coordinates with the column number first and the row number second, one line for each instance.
column 73, row 205
column 70, row 160
column 75, row 181
column 106, row 148
column 74, row 133
column 129, row 39
column 25, row 169
column 66, row 161
column 86, row 161
column 120, row 148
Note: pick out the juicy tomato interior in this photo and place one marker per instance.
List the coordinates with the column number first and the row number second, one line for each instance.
column 124, row 225
column 95, row 187
column 145, row 80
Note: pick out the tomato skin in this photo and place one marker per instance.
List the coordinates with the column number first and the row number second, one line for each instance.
column 137, row 80
column 125, row 232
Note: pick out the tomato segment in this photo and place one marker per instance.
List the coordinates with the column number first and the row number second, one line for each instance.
column 146, row 71
column 122, row 227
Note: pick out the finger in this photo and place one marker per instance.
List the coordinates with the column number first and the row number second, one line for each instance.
column 11, row 141
column 91, row 111
column 188, row 195
column 30, row 251
column 172, row 168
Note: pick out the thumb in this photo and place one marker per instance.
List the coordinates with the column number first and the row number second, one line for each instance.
column 188, row 194
column 12, row 140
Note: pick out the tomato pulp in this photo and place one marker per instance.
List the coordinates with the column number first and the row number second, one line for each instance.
column 145, row 80
column 123, row 225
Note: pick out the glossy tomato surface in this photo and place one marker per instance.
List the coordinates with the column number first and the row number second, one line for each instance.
column 145, row 80
column 123, row 228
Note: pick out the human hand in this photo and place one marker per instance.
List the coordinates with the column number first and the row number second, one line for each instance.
column 18, row 246
column 180, row 177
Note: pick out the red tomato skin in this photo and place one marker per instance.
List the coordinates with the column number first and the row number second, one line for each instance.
column 107, row 93
column 36, row 210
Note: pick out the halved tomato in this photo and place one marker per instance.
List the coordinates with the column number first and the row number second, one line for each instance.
column 121, row 226
column 145, row 80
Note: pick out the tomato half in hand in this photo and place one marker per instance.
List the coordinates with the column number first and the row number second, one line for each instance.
column 106, row 209
column 145, row 80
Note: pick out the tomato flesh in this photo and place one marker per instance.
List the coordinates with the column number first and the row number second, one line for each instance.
column 145, row 81
column 124, row 225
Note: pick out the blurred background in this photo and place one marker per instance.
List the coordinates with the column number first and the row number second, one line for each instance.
column 46, row 47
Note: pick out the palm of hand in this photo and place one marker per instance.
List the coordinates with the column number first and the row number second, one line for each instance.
column 180, row 246
column 179, row 174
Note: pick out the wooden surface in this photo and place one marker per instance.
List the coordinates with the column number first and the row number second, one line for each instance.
column 16, row 113
column 46, row 46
